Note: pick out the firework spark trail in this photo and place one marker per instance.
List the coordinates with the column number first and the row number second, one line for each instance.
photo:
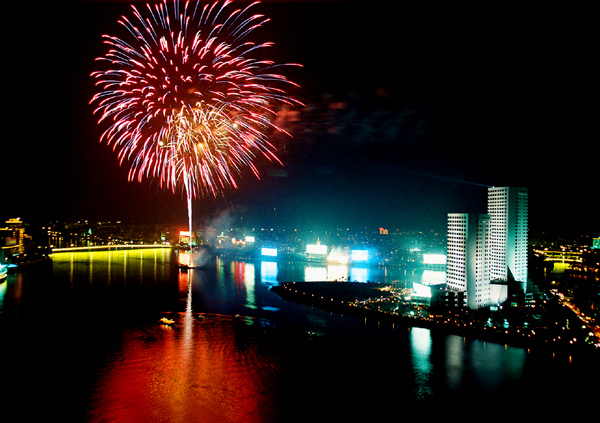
column 186, row 101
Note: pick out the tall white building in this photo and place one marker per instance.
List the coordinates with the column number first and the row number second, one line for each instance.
column 467, row 263
column 508, row 210
column 485, row 251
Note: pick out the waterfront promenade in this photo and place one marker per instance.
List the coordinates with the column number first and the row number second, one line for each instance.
column 375, row 300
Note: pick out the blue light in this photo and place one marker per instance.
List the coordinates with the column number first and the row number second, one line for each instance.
column 269, row 252
column 360, row 255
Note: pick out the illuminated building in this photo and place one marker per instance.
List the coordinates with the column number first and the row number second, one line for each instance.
column 508, row 210
column 12, row 237
column 434, row 261
column 268, row 252
column 185, row 237
column 316, row 249
column 467, row 263
column 487, row 251
column 359, row 255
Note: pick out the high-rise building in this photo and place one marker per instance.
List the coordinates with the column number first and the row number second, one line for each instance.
column 508, row 210
column 12, row 237
column 467, row 263
column 486, row 251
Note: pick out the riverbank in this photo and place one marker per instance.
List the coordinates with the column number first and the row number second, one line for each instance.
column 353, row 298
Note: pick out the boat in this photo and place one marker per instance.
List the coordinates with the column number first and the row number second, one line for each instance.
column 166, row 321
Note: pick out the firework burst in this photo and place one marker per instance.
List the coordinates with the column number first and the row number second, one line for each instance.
column 187, row 100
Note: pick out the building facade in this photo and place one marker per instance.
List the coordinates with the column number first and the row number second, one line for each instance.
column 508, row 210
column 487, row 251
column 12, row 237
column 467, row 264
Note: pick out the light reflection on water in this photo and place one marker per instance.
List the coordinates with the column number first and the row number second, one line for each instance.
column 206, row 368
column 273, row 363
column 466, row 364
column 421, row 350
column 209, row 371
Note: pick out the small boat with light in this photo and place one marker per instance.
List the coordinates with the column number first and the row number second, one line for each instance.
column 166, row 321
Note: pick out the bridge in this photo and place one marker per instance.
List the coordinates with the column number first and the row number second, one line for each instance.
column 114, row 247
column 560, row 256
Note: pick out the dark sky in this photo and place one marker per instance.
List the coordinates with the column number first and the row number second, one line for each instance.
column 411, row 112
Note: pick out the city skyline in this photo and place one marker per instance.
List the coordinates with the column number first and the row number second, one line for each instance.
column 319, row 287
column 469, row 105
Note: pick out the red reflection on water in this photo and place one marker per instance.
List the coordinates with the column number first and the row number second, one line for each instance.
column 214, row 376
column 182, row 282
column 239, row 276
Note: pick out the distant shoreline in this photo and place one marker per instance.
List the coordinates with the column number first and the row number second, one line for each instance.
column 339, row 294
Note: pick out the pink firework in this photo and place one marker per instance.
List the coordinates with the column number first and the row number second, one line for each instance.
column 186, row 98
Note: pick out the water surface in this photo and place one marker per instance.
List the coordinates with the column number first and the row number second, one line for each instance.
column 81, row 341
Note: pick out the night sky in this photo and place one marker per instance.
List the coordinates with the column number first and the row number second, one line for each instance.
column 412, row 111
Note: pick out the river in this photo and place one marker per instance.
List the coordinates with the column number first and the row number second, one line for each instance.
column 81, row 342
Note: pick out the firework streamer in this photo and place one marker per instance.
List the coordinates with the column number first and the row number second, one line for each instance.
column 187, row 98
